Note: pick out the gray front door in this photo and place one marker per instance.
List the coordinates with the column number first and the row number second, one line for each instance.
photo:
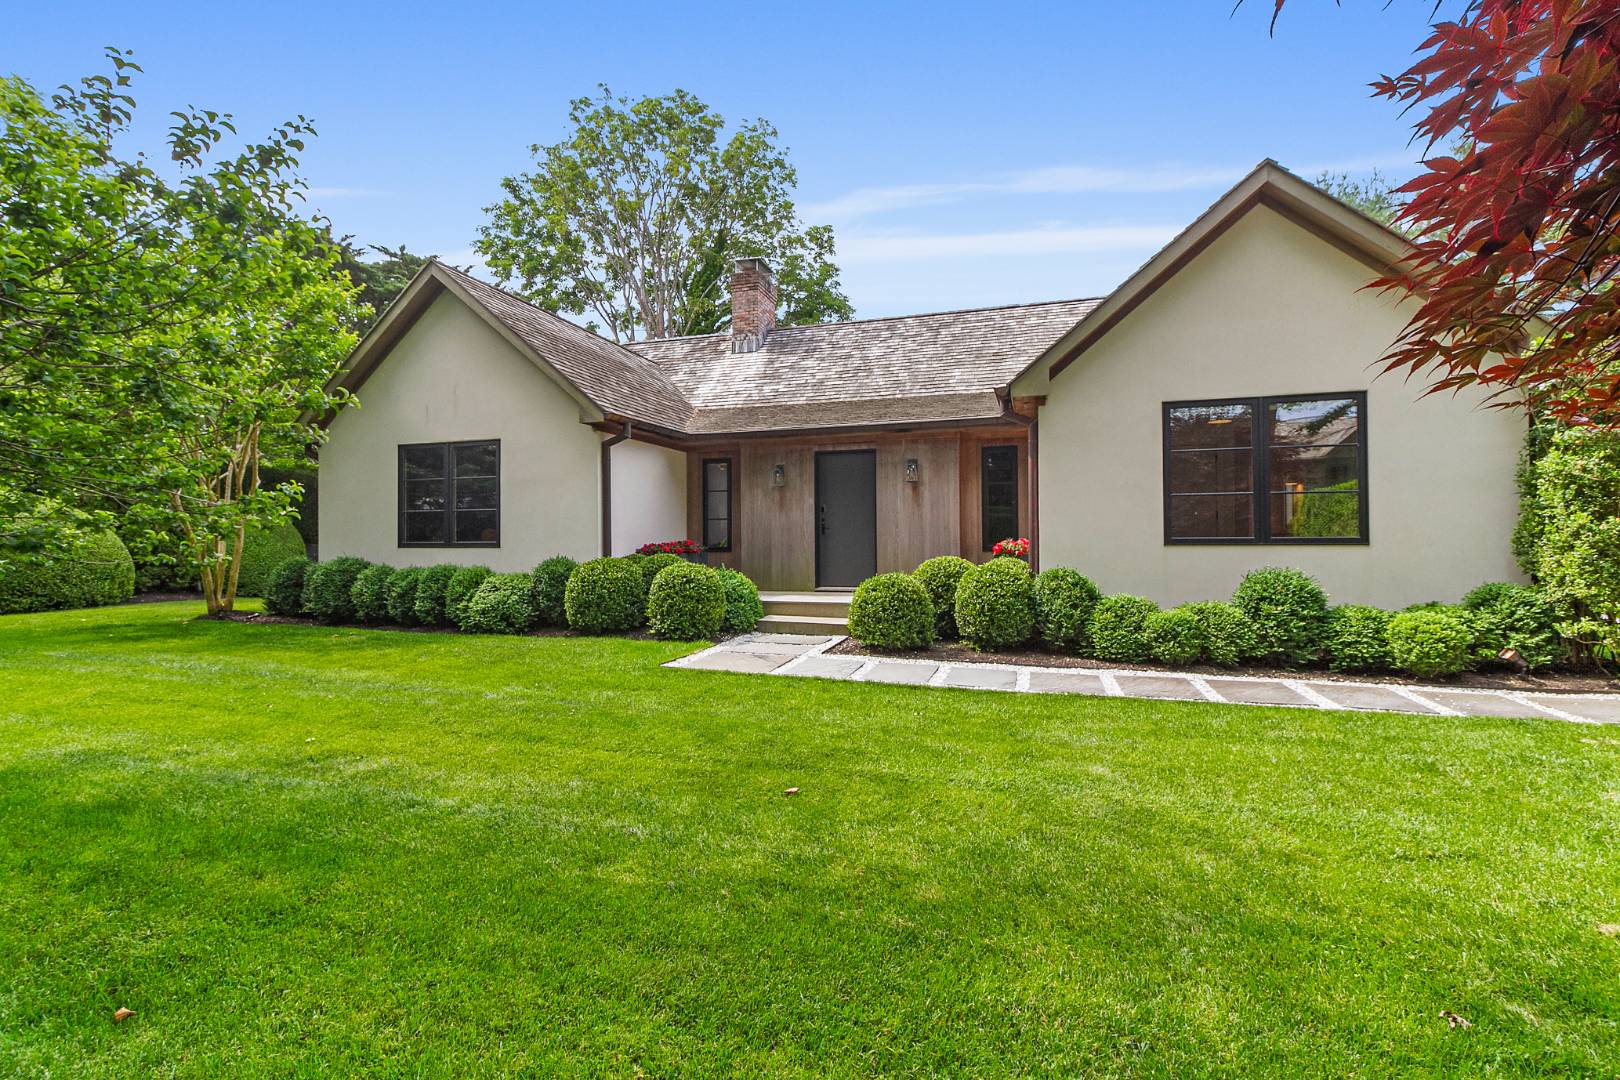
column 846, row 517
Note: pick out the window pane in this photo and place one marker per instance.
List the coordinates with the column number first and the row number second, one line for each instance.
column 1212, row 470
column 1309, row 467
column 1210, row 427
column 716, row 476
column 999, row 524
column 714, row 505
column 476, row 527
column 1322, row 513
column 1315, row 423
column 477, row 494
column 424, row 495
column 1001, row 464
column 422, row 462
column 998, row 476
column 477, row 459
column 1212, row 517
column 717, row 533
column 424, row 528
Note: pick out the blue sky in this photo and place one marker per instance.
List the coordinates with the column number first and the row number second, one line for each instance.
column 966, row 154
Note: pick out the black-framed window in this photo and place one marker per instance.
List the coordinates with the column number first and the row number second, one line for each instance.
column 1270, row 470
column 998, row 494
column 450, row 494
column 717, row 474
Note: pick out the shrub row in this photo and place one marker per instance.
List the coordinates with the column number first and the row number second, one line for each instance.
column 672, row 597
column 94, row 570
column 1277, row 616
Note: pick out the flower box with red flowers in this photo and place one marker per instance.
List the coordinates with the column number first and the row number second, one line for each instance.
column 1016, row 548
column 690, row 550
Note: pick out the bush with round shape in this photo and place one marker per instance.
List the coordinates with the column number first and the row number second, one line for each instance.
column 1431, row 642
column 370, row 593
column 1064, row 602
column 995, row 604
column 1289, row 612
column 285, row 596
column 1508, row 616
column 463, row 583
column 1119, row 628
column 1174, row 637
column 652, row 565
column 262, row 551
column 743, row 607
column 502, row 604
column 940, row 576
column 550, row 582
column 430, row 594
column 686, row 602
column 1229, row 637
column 329, row 589
column 399, row 595
column 892, row 611
column 89, row 571
column 605, row 595
column 1358, row 638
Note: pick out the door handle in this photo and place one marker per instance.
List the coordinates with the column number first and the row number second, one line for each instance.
column 823, row 522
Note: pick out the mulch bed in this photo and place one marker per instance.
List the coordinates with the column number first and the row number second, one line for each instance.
column 1541, row 682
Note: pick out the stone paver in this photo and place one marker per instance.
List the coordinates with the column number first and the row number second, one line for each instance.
column 803, row 654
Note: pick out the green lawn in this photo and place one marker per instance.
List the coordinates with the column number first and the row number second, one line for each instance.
column 304, row 851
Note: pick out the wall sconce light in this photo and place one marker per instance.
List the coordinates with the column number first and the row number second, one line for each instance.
column 779, row 476
column 911, row 470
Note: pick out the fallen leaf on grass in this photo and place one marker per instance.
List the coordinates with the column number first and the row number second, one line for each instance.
column 1455, row 1021
column 122, row 1014
column 1611, row 929
column 791, row 791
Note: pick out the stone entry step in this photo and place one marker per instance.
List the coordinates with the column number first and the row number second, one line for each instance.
column 814, row 613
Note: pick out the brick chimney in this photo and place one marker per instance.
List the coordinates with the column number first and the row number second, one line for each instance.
column 753, row 304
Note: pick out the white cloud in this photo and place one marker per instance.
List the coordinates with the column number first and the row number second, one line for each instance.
column 1057, row 238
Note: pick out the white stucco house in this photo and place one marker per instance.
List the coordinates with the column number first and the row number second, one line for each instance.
column 1220, row 411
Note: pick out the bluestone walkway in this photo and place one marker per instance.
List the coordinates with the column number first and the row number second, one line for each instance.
column 793, row 654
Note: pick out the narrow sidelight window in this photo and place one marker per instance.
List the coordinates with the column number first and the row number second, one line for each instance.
column 717, row 504
column 1266, row 470
column 998, row 494
column 450, row 494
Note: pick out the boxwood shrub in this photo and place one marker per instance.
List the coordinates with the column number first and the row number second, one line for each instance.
column 285, row 596
column 1289, row 612
column 940, row 577
column 550, row 581
column 1229, row 637
column 1064, row 602
column 501, row 604
column 1118, row 628
column 995, row 604
column 604, row 595
column 1431, row 642
column 329, row 587
column 399, row 595
column 92, row 570
column 262, row 551
column 430, row 594
column 370, row 593
column 686, row 601
column 1176, row 637
column 1358, row 638
column 1517, row 617
column 892, row 611
column 743, row 606
column 652, row 565
column 463, row 583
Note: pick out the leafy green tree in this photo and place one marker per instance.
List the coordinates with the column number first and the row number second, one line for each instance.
column 378, row 279
column 1372, row 196
column 635, row 217
column 160, row 337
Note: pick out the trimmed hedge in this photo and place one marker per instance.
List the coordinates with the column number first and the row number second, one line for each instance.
column 370, row 593
column 329, row 587
column 1508, row 616
column 1289, row 612
column 94, row 570
column 550, row 582
column 1431, row 642
column 1358, row 638
column 743, row 606
column 1229, row 637
column 686, row 601
column 1176, row 637
column 995, row 604
column 940, row 577
column 1064, row 602
column 285, row 596
column 1118, row 628
column 399, row 596
column 892, row 611
column 501, row 604
column 463, row 583
column 652, row 565
column 263, row 550
column 604, row 595
column 430, row 594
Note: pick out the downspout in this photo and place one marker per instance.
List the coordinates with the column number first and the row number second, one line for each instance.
column 607, row 484
column 1031, row 470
